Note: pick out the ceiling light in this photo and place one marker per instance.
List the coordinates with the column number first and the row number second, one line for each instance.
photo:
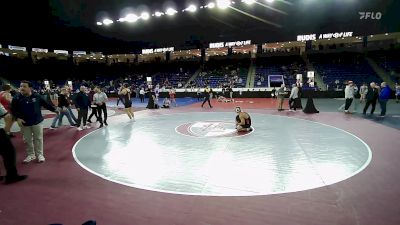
column 249, row 2
column 191, row 8
column 269, row 1
column 211, row 5
column 158, row 14
column 223, row 4
column 145, row 16
column 107, row 21
column 171, row 11
column 131, row 18
column 99, row 23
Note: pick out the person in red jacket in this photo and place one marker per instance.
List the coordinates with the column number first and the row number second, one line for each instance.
column 5, row 101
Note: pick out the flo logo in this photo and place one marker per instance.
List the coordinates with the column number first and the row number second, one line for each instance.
column 209, row 129
column 370, row 15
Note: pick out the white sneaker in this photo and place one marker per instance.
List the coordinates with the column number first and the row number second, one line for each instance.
column 80, row 129
column 29, row 159
column 86, row 127
column 41, row 159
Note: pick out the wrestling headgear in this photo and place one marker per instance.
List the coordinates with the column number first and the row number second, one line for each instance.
column 238, row 109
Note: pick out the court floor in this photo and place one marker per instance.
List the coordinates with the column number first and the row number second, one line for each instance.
column 187, row 165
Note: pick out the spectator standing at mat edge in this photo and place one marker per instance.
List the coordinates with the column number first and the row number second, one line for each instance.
column 82, row 104
column 100, row 98
column 349, row 96
column 26, row 107
column 281, row 97
column 371, row 97
column 397, row 93
column 5, row 100
column 294, row 94
column 7, row 150
column 384, row 97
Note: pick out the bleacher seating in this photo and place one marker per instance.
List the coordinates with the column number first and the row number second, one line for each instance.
column 344, row 67
column 389, row 61
column 288, row 66
column 222, row 73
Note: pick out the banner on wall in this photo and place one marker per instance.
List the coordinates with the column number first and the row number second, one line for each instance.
column 17, row 48
column 275, row 80
column 61, row 52
column 157, row 50
column 79, row 53
column 313, row 37
column 229, row 44
column 40, row 50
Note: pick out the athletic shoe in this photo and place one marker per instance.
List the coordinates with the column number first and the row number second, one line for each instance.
column 52, row 128
column 105, row 123
column 101, row 125
column 41, row 159
column 80, row 129
column 15, row 179
column 29, row 159
column 86, row 127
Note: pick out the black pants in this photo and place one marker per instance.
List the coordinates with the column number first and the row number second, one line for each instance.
column 292, row 103
column 383, row 107
column 367, row 104
column 348, row 103
column 205, row 100
column 102, row 110
column 94, row 113
column 141, row 98
column 119, row 100
column 82, row 117
column 7, row 152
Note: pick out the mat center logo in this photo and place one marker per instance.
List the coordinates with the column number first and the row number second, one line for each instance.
column 209, row 129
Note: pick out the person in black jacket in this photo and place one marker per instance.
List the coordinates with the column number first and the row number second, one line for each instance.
column 26, row 108
column 7, row 150
column 371, row 97
column 82, row 103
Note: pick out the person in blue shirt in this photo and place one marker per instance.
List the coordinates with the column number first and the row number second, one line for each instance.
column 27, row 109
column 384, row 97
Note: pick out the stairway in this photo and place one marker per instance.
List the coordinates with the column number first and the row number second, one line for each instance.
column 192, row 78
column 251, row 75
column 381, row 72
column 317, row 77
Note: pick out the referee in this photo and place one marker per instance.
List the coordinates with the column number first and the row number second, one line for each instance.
column 207, row 95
